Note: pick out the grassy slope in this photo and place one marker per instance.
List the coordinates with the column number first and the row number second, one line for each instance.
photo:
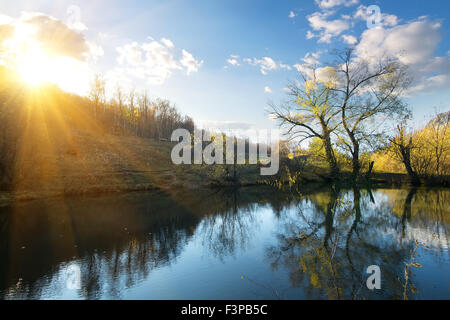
column 84, row 162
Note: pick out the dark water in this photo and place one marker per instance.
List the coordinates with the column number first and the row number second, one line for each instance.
column 232, row 244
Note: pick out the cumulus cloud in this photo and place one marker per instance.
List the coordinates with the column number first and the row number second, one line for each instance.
column 53, row 36
column 328, row 29
column 155, row 60
column 190, row 63
column 292, row 14
column 414, row 45
column 310, row 61
column 351, row 40
column 312, row 58
column 266, row 64
column 328, row 4
column 167, row 43
column 310, row 68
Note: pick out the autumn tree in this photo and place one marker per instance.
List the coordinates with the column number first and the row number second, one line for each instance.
column 97, row 93
column 119, row 97
column 439, row 140
column 368, row 93
column 401, row 148
column 310, row 112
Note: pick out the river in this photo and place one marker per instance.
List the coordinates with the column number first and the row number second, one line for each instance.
column 248, row 243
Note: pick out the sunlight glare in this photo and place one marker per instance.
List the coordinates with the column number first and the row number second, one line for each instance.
column 37, row 66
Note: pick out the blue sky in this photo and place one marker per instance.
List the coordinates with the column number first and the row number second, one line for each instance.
column 224, row 74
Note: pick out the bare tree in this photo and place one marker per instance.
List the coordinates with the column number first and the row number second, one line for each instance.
column 134, row 113
column 144, row 104
column 439, row 141
column 97, row 93
column 367, row 91
column 120, row 99
column 402, row 146
column 310, row 113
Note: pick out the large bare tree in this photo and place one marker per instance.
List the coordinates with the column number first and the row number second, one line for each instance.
column 369, row 93
column 310, row 112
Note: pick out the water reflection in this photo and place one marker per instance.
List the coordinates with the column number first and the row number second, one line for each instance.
column 318, row 244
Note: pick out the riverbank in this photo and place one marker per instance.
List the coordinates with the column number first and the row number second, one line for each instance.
column 81, row 165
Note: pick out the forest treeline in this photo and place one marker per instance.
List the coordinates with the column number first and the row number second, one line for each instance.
column 128, row 112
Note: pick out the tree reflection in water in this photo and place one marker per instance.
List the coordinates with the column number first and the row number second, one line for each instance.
column 325, row 239
column 332, row 237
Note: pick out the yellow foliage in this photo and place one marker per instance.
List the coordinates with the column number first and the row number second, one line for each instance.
column 315, row 280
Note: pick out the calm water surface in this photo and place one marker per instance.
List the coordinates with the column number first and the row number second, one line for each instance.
column 232, row 244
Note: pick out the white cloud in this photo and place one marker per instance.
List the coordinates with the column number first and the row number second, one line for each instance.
column 351, row 40
column 267, row 89
column 430, row 84
column 130, row 54
column 52, row 35
column 328, row 28
column 292, row 14
column 233, row 60
column 266, row 64
column 284, row 66
column 311, row 67
column 328, row 4
column 414, row 45
column 310, row 61
column 310, row 35
column 155, row 61
column 167, row 43
column 191, row 64
column 95, row 50
column 312, row 58
column 78, row 26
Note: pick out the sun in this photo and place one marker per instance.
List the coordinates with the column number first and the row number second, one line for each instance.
column 36, row 64
column 26, row 56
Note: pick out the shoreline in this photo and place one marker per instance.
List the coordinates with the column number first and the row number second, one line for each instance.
column 400, row 181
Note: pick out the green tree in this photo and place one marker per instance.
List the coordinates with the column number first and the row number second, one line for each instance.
column 310, row 112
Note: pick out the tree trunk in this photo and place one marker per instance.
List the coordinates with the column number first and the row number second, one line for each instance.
column 331, row 158
column 356, row 166
column 369, row 172
column 406, row 154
